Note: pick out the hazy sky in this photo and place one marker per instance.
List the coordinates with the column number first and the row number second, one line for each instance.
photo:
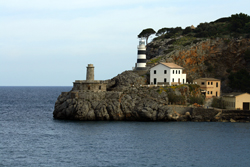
column 50, row 42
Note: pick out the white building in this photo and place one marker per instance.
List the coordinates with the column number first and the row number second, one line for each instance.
column 167, row 73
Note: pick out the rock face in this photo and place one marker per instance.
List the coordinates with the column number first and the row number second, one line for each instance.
column 135, row 103
column 214, row 58
column 132, row 104
column 125, row 80
column 125, row 100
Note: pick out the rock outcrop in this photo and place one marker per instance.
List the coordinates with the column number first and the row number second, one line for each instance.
column 132, row 104
column 128, row 101
column 136, row 104
column 214, row 58
column 125, row 100
column 125, row 80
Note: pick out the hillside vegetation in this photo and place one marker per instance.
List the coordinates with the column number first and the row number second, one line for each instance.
column 217, row 49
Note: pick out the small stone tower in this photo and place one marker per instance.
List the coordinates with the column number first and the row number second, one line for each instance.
column 90, row 84
column 90, row 73
column 141, row 56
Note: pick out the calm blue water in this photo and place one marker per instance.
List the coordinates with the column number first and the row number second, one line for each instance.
column 29, row 136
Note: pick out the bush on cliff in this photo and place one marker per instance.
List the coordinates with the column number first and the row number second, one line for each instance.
column 196, row 99
column 235, row 25
column 240, row 80
column 247, row 55
column 176, row 99
column 239, row 22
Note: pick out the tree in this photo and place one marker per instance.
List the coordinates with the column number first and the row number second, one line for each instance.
column 187, row 30
column 238, row 21
column 162, row 31
column 146, row 33
column 240, row 80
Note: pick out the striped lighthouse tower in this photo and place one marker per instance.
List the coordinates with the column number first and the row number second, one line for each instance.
column 141, row 57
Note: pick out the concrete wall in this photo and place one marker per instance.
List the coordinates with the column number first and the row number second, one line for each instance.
column 171, row 74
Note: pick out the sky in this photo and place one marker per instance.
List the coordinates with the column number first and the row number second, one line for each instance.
column 51, row 42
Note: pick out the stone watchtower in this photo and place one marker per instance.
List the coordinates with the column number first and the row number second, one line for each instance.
column 90, row 84
column 90, row 73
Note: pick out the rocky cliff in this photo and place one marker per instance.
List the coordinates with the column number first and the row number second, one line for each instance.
column 128, row 101
column 202, row 57
column 125, row 99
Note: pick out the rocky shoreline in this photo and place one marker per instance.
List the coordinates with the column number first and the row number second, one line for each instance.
column 115, row 106
column 128, row 101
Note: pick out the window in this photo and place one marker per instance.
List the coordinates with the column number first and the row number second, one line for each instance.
column 208, row 83
column 179, row 71
column 165, row 79
column 211, row 83
column 165, row 71
column 154, row 71
column 216, row 84
column 203, row 83
column 211, row 92
column 173, row 71
column 176, row 71
column 173, row 80
column 208, row 92
column 100, row 87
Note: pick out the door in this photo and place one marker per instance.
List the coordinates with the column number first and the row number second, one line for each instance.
column 179, row 80
column 216, row 94
column 155, row 81
column 245, row 106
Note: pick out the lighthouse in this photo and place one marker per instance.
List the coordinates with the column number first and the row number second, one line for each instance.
column 141, row 56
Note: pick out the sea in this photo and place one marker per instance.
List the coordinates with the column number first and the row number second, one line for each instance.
column 29, row 136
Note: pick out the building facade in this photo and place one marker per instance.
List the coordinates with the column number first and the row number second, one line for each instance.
column 167, row 74
column 240, row 101
column 209, row 86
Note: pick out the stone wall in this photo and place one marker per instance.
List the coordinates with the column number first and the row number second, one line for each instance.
column 89, row 86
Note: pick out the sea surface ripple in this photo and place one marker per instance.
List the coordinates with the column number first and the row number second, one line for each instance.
column 29, row 136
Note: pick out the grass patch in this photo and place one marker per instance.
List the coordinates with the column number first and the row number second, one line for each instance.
column 184, row 40
column 155, row 60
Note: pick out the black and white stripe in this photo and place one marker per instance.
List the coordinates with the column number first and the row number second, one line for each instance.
column 141, row 57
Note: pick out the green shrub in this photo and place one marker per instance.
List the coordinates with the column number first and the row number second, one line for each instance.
column 196, row 41
column 218, row 103
column 228, row 70
column 196, row 99
column 240, row 80
column 193, row 87
column 247, row 55
column 176, row 99
column 168, row 51
column 226, row 41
